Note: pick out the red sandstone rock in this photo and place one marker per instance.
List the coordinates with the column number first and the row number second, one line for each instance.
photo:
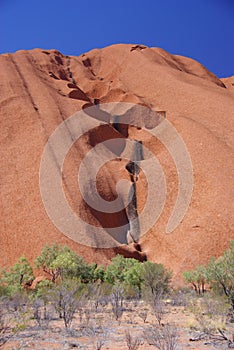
column 40, row 89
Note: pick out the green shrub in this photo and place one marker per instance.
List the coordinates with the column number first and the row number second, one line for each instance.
column 17, row 277
column 66, row 264
column 220, row 273
column 124, row 270
column 156, row 278
column 197, row 278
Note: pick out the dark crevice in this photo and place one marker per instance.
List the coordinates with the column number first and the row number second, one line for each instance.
column 69, row 72
column 58, row 60
column 52, row 75
column 132, row 209
column 87, row 64
column 138, row 47
column 23, row 82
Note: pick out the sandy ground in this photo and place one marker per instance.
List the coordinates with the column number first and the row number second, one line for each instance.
column 112, row 332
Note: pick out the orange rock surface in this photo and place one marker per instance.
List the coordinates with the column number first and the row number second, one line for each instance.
column 40, row 89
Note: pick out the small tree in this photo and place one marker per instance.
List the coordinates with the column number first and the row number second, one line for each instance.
column 118, row 270
column 18, row 276
column 220, row 273
column 65, row 298
column 133, row 343
column 156, row 278
column 163, row 338
column 46, row 259
column 133, row 275
column 197, row 278
column 41, row 312
column 96, row 273
column 116, row 299
column 98, row 293
column 158, row 307
column 64, row 263
column 70, row 265
column 98, row 336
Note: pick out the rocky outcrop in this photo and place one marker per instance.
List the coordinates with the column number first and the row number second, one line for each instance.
column 40, row 89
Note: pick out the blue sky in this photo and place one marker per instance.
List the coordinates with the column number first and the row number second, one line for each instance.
column 201, row 29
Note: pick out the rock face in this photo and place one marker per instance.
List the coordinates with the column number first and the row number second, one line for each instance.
column 40, row 89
